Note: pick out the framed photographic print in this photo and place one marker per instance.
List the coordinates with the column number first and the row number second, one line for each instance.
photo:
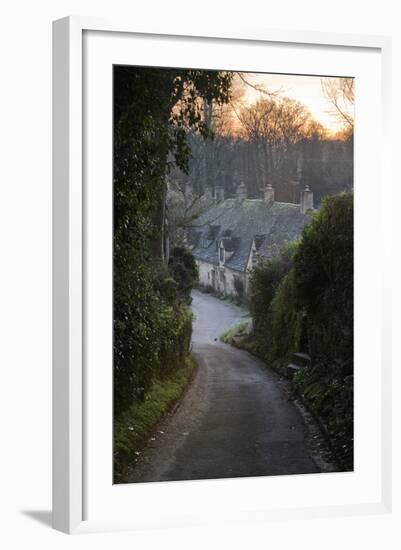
column 220, row 316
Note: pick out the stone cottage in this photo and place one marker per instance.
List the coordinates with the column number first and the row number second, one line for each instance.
column 235, row 233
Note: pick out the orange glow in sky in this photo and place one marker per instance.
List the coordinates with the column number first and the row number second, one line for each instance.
column 306, row 89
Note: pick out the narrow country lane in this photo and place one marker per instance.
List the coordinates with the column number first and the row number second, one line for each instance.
column 234, row 420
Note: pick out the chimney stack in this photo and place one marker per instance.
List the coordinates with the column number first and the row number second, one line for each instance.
column 219, row 193
column 269, row 193
column 241, row 191
column 306, row 200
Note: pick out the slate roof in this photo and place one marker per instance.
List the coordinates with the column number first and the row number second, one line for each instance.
column 241, row 221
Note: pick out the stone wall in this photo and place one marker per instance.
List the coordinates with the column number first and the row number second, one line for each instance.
column 221, row 279
column 205, row 273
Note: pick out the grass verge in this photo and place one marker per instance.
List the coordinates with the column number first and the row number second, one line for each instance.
column 133, row 429
column 236, row 334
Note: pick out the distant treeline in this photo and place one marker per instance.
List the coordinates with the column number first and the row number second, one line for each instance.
column 326, row 165
column 276, row 141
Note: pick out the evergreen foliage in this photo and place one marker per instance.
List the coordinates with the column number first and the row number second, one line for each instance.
column 184, row 271
column 265, row 279
column 153, row 111
column 302, row 301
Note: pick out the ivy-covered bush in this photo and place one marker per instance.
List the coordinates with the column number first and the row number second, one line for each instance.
column 323, row 276
column 184, row 270
column 153, row 111
column 303, row 301
column 265, row 280
column 239, row 288
column 286, row 320
column 324, row 286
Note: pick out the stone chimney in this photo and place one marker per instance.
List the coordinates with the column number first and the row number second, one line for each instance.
column 306, row 200
column 241, row 191
column 268, row 194
column 219, row 193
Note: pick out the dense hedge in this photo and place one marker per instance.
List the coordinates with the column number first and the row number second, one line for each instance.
column 303, row 301
column 287, row 319
column 323, row 276
column 153, row 111
column 323, row 268
column 152, row 336
column 183, row 268
column 265, row 280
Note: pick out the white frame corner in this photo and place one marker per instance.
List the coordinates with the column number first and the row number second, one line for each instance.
column 68, row 250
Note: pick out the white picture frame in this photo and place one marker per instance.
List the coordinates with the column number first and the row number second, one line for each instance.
column 70, row 256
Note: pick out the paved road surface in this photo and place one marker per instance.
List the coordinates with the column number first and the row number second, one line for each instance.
column 234, row 420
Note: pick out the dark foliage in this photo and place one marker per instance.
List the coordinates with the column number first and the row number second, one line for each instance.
column 303, row 301
column 239, row 287
column 153, row 110
column 323, row 277
column 286, row 320
column 183, row 268
column 327, row 167
column 265, row 279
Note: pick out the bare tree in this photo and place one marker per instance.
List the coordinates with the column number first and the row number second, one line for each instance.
column 184, row 206
column 275, row 139
column 340, row 93
column 275, row 127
